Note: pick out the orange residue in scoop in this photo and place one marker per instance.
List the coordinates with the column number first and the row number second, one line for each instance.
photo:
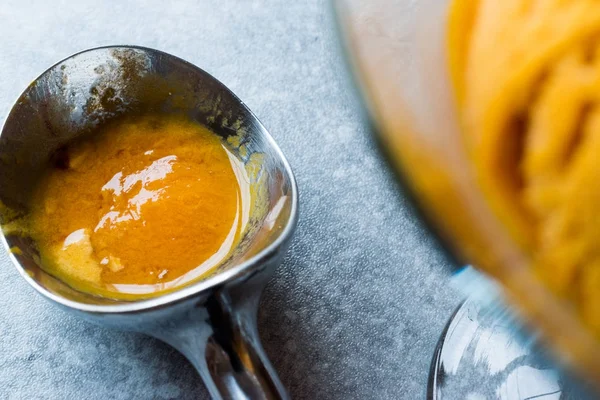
column 144, row 206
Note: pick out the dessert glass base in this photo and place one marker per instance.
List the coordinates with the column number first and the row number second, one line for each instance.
column 483, row 354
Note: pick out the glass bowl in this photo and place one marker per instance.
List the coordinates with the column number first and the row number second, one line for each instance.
column 397, row 52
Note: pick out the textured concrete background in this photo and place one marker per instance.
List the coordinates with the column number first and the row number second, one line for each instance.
column 356, row 309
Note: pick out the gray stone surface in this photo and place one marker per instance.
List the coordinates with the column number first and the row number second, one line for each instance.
column 356, row 309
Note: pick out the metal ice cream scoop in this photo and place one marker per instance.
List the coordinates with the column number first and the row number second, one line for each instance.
column 213, row 321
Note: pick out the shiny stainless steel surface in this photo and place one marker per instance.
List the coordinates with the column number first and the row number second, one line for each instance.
column 213, row 322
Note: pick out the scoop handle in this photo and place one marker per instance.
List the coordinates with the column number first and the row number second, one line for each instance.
column 223, row 345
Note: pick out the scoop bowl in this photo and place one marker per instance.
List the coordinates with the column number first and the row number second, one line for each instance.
column 212, row 321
